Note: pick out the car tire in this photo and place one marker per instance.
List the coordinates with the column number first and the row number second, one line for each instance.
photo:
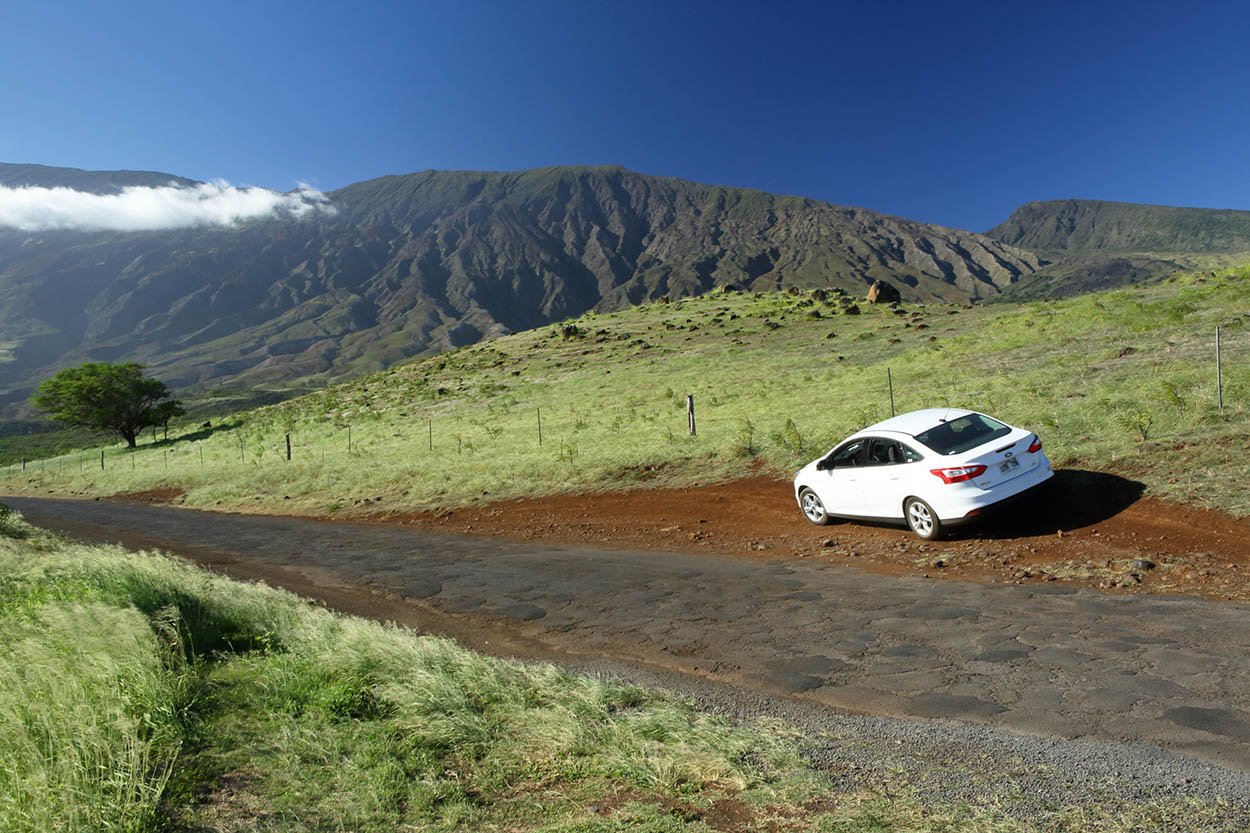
column 812, row 508
column 921, row 519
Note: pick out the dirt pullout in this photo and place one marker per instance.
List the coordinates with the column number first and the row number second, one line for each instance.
column 1087, row 528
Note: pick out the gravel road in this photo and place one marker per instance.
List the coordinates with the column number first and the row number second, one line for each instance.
column 1046, row 693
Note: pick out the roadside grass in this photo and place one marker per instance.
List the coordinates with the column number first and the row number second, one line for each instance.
column 142, row 694
column 1121, row 381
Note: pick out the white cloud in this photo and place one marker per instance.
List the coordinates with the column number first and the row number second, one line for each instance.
column 138, row 208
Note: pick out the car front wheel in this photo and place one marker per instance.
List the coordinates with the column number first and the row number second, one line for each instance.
column 922, row 519
column 812, row 508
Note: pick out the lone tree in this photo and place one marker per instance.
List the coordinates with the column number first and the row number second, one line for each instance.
column 107, row 397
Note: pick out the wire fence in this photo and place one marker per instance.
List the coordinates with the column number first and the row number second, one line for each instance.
column 565, row 433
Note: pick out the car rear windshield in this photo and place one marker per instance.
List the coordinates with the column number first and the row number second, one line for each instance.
column 960, row 435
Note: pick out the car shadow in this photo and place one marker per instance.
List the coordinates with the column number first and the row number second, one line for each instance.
column 1072, row 499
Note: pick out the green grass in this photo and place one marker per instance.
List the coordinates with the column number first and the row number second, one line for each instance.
column 1121, row 381
column 138, row 693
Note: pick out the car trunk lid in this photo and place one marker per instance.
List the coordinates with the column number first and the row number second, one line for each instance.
column 1005, row 458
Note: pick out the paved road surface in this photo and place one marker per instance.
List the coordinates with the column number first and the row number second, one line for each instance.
column 1042, row 659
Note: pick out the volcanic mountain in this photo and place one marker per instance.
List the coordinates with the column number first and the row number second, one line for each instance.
column 416, row 264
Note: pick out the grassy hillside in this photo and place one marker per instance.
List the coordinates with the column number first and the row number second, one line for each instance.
column 1122, row 381
column 140, row 694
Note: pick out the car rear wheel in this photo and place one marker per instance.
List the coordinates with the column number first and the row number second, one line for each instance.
column 922, row 519
column 812, row 508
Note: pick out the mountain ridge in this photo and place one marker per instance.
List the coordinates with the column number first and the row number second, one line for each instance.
column 415, row 264
column 1074, row 225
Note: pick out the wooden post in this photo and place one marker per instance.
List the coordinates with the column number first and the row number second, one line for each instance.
column 430, row 428
column 166, row 454
column 101, row 459
column 349, row 439
column 241, row 460
column 1219, row 378
column 23, row 464
column 690, row 412
column 288, row 446
column 201, row 456
column 890, row 379
column 540, row 426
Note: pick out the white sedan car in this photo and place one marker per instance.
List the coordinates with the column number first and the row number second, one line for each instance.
column 935, row 468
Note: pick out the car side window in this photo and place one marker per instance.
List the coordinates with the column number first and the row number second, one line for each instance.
column 884, row 453
column 891, row 453
column 851, row 454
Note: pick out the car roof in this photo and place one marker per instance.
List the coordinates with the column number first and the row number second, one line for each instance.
column 915, row 422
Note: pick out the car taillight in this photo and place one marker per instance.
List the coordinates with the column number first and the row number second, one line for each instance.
column 1036, row 445
column 958, row 474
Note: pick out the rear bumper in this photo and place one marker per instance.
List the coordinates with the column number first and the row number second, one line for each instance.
column 971, row 507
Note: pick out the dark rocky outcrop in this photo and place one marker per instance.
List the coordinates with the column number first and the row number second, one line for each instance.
column 883, row 293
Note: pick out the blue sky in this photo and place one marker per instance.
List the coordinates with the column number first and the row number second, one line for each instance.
column 953, row 113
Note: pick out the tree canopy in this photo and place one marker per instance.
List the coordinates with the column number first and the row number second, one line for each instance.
column 107, row 397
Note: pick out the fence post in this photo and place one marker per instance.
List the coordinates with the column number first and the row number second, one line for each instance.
column 101, row 459
column 430, row 429
column 288, row 446
column 540, row 426
column 890, row 379
column 690, row 412
column 1219, row 378
column 23, row 464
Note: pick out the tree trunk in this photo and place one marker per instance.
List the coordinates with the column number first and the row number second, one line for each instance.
column 130, row 438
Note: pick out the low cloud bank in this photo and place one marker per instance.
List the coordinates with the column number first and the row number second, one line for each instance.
column 137, row 208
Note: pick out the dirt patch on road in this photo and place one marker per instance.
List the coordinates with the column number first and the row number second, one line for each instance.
column 1088, row 528
column 168, row 494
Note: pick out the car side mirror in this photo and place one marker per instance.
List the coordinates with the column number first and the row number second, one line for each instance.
column 824, row 465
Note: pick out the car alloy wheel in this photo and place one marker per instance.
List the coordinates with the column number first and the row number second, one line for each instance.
column 922, row 519
column 812, row 508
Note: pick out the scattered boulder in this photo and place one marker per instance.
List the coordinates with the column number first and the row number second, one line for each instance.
column 883, row 293
column 1125, row 351
column 570, row 331
column 1143, row 564
column 819, row 295
column 853, row 309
